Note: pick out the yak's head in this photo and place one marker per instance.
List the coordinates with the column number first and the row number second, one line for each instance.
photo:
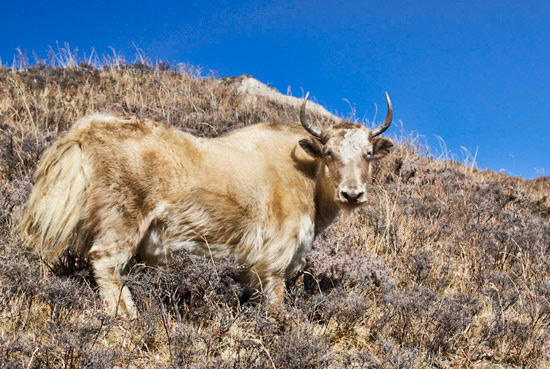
column 346, row 150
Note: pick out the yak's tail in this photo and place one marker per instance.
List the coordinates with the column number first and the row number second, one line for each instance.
column 57, row 203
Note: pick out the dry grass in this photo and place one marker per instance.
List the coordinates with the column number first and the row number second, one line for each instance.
column 446, row 267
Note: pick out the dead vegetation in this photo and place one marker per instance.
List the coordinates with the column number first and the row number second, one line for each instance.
column 446, row 267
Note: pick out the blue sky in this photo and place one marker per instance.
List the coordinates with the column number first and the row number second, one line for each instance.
column 476, row 73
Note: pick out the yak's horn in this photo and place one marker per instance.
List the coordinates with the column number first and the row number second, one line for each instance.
column 308, row 127
column 387, row 122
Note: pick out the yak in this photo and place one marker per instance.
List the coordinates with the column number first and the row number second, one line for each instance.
column 115, row 187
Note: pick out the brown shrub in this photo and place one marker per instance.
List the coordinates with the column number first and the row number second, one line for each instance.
column 446, row 266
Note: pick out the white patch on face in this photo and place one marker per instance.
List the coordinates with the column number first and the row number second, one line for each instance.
column 352, row 145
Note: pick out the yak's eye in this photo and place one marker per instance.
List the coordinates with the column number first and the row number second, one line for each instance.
column 329, row 154
column 369, row 154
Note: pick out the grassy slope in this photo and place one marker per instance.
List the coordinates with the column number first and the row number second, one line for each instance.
column 446, row 266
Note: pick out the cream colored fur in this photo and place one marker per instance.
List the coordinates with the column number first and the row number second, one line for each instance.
column 115, row 187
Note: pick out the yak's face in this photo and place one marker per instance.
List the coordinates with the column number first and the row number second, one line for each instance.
column 345, row 151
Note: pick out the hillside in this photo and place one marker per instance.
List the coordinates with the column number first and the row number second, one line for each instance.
column 446, row 267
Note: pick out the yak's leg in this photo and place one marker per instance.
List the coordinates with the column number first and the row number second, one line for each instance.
column 270, row 283
column 108, row 263
column 275, row 289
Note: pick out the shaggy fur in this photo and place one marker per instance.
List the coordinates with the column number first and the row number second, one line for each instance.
column 115, row 187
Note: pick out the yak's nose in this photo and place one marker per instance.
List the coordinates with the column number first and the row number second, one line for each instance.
column 351, row 195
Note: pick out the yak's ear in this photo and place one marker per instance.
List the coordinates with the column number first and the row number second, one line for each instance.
column 381, row 147
column 311, row 146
